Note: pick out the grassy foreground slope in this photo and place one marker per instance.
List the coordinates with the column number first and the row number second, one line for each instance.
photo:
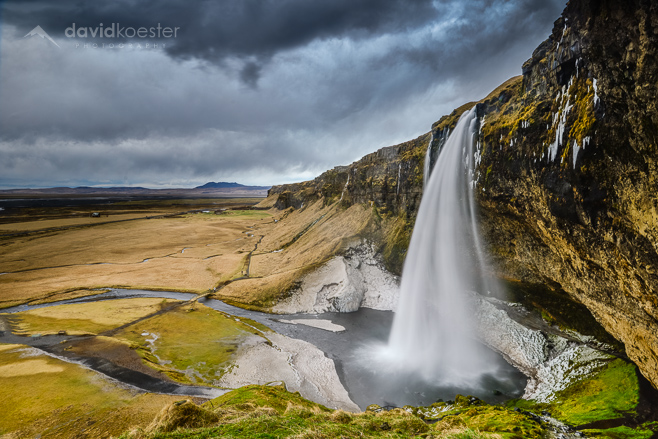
column 45, row 397
column 272, row 412
column 605, row 404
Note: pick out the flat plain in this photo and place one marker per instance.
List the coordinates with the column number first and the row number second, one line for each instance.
column 190, row 245
column 56, row 253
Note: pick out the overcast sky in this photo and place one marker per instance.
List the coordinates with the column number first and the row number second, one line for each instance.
column 256, row 91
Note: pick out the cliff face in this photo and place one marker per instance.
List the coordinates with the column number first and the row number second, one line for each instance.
column 567, row 187
column 567, row 182
column 388, row 181
column 391, row 178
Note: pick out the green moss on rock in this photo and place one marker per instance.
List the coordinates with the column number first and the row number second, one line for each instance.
column 397, row 244
column 610, row 393
column 472, row 413
column 621, row 433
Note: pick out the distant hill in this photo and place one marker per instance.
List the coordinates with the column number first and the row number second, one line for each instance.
column 221, row 189
column 219, row 185
column 226, row 185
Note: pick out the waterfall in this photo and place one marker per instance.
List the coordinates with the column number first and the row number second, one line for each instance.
column 342, row 194
column 428, row 160
column 397, row 190
column 432, row 331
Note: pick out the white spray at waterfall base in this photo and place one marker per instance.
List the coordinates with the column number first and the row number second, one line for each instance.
column 432, row 333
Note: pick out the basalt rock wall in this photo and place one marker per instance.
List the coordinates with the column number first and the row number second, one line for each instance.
column 568, row 180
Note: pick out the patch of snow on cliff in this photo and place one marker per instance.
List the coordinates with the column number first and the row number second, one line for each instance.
column 397, row 190
column 596, row 92
column 577, row 148
column 344, row 284
column 560, row 118
column 561, row 38
column 342, row 194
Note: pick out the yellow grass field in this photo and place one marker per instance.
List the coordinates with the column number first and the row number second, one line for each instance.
column 41, row 396
column 193, row 253
column 252, row 257
column 299, row 242
column 85, row 318
column 67, row 222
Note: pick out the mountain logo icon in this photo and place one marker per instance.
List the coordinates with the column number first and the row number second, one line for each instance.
column 42, row 33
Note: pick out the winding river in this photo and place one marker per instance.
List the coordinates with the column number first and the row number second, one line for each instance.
column 345, row 338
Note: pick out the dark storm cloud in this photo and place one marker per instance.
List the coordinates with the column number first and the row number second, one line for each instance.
column 292, row 86
column 253, row 30
column 483, row 29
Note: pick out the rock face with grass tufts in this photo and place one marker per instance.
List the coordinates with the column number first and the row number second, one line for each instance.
column 568, row 183
column 181, row 414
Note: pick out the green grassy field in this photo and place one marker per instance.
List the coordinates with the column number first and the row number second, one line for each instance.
column 193, row 344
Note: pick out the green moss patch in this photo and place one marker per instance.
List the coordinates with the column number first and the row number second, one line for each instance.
column 472, row 413
column 192, row 344
column 621, row 433
column 611, row 393
column 396, row 245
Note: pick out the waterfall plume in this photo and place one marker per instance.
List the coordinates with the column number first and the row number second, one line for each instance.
column 432, row 332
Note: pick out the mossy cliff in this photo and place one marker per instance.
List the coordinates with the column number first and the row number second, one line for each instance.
column 567, row 180
column 389, row 182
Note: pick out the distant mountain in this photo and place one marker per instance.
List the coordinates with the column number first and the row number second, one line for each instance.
column 227, row 185
column 221, row 189
column 113, row 188
column 219, row 185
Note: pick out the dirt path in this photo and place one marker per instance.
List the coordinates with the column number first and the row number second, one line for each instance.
column 251, row 253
